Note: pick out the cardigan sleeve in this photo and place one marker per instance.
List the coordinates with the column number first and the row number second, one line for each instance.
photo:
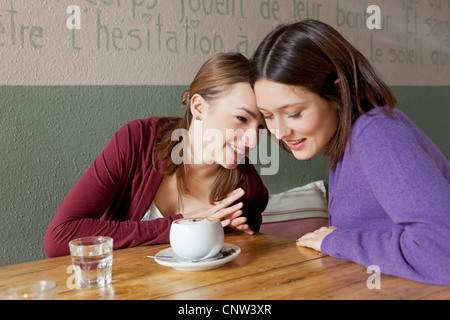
column 411, row 188
column 93, row 206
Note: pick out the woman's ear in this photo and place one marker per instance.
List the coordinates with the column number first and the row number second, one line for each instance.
column 338, row 85
column 198, row 106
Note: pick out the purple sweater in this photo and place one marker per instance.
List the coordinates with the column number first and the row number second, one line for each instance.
column 390, row 199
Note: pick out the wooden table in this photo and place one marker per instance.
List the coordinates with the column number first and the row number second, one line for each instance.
column 269, row 268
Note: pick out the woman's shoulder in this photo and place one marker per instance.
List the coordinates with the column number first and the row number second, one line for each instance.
column 377, row 120
column 140, row 125
column 141, row 129
column 383, row 136
column 135, row 135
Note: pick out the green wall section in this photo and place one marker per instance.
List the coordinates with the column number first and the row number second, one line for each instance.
column 50, row 135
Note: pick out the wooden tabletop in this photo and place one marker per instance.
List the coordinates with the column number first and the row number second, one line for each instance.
column 268, row 268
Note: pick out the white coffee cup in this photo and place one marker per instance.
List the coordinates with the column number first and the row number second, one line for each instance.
column 196, row 238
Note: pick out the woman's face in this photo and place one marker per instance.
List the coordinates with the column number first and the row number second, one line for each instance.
column 303, row 120
column 229, row 125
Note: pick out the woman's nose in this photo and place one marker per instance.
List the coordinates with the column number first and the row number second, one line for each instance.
column 279, row 129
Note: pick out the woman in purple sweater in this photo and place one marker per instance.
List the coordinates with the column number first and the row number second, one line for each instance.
column 157, row 170
column 389, row 199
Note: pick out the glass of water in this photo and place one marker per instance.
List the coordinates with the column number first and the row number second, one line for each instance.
column 92, row 258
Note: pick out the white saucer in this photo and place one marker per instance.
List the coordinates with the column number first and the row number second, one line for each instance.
column 229, row 252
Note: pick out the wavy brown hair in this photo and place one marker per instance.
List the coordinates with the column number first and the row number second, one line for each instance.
column 314, row 55
column 211, row 82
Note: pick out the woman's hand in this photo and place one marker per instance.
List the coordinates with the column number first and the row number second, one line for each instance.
column 229, row 216
column 314, row 239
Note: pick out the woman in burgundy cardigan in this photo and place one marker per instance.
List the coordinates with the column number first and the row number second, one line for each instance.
column 157, row 170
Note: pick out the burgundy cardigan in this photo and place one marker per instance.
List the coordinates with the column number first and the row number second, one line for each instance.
column 114, row 194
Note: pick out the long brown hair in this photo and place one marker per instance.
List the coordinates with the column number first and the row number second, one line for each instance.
column 211, row 82
column 314, row 55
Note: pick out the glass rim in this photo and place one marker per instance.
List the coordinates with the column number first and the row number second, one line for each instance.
column 103, row 240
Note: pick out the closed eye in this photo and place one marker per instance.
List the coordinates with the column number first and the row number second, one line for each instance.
column 295, row 115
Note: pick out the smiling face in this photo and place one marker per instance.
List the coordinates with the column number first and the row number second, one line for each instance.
column 229, row 125
column 303, row 120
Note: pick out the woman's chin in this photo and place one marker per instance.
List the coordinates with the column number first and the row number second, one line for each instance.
column 229, row 166
column 302, row 155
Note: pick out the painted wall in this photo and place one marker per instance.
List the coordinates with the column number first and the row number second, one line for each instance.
column 143, row 42
column 63, row 93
